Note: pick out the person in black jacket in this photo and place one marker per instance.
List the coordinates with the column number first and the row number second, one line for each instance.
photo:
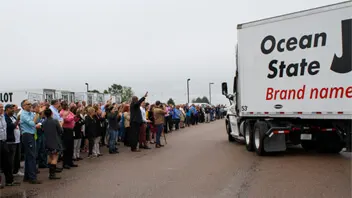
column 90, row 129
column 151, row 124
column 100, row 120
column 11, row 124
column 77, row 133
column 52, row 131
column 136, row 121
column 114, row 126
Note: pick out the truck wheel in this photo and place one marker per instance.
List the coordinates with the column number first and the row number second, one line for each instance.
column 308, row 145
column 228, row 129
column 336, row 147
column 329, row 143
column 231, row 139
column 258, row 136
column 248, row 137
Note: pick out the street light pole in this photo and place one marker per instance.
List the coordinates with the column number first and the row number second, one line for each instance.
column 188, row 90
column 87, row 87
column 210, row 92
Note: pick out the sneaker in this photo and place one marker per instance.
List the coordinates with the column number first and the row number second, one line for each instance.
column 35, row 182
column 19, row 174
column 54, row 177
column 13, row 184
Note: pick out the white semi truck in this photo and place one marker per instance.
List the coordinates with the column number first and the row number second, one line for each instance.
column 293, row 82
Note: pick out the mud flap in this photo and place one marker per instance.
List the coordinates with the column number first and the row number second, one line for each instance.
column 275, row 143
column 233, row 125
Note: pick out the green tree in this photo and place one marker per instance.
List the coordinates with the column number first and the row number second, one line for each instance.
column 205, row 100
column 94, row 91
column 197, row 100
column 125, row 92
column 171, row 101
column 201, row 100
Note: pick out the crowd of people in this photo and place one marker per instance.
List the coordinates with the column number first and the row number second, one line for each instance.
column 44, row 134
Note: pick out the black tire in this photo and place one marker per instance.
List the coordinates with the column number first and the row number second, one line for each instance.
column 228, row 129
column 329, row 143
column 231, row 139
column 248, row 136
column 260, row 128
column 337, row 147
column 308, row 145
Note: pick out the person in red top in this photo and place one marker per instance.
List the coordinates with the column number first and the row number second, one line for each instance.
column 67, row 137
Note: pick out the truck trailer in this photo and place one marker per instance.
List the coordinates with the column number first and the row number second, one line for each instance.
column 293, row 82
column 33, row 95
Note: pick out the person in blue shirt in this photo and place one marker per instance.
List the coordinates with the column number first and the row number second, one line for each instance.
column 188, row 117
column 54, row 107
column 176, row 116
column 28, row 128
column 193, row 114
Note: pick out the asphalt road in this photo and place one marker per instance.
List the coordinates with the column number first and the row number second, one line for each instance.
column 199, row 162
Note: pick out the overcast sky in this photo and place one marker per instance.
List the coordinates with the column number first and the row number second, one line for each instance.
column 152, row 45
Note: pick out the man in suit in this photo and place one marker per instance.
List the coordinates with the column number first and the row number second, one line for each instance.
column 136, row 121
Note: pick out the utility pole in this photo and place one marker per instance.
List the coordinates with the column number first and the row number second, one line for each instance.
column 87, row 87
column 210, row 92
column 188, row 90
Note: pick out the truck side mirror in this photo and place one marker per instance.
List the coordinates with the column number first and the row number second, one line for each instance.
column 224, row 88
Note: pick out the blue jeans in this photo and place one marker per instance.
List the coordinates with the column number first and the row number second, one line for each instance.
column 41, row 152
column 159, row 130
column 112, row 140
column 122, row 133
column 30, row 169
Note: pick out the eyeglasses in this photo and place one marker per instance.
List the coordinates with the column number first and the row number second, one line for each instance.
column 28, row 104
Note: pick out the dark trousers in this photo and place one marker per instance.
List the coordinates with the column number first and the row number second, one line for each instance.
column 90, row 145
column 17, row 159
column 188, row 121
column 176, row 123
column 126, row 140
column 42, row 160
column 6, row 165
column 30, row 166
column 147, row 131
column 12, row 154
column 103, row 134
column 143, row 134
column 134, row 133
column 68, row 141
column 168, row 124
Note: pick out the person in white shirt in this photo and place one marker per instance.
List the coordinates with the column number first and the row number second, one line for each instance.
column 143, row 128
